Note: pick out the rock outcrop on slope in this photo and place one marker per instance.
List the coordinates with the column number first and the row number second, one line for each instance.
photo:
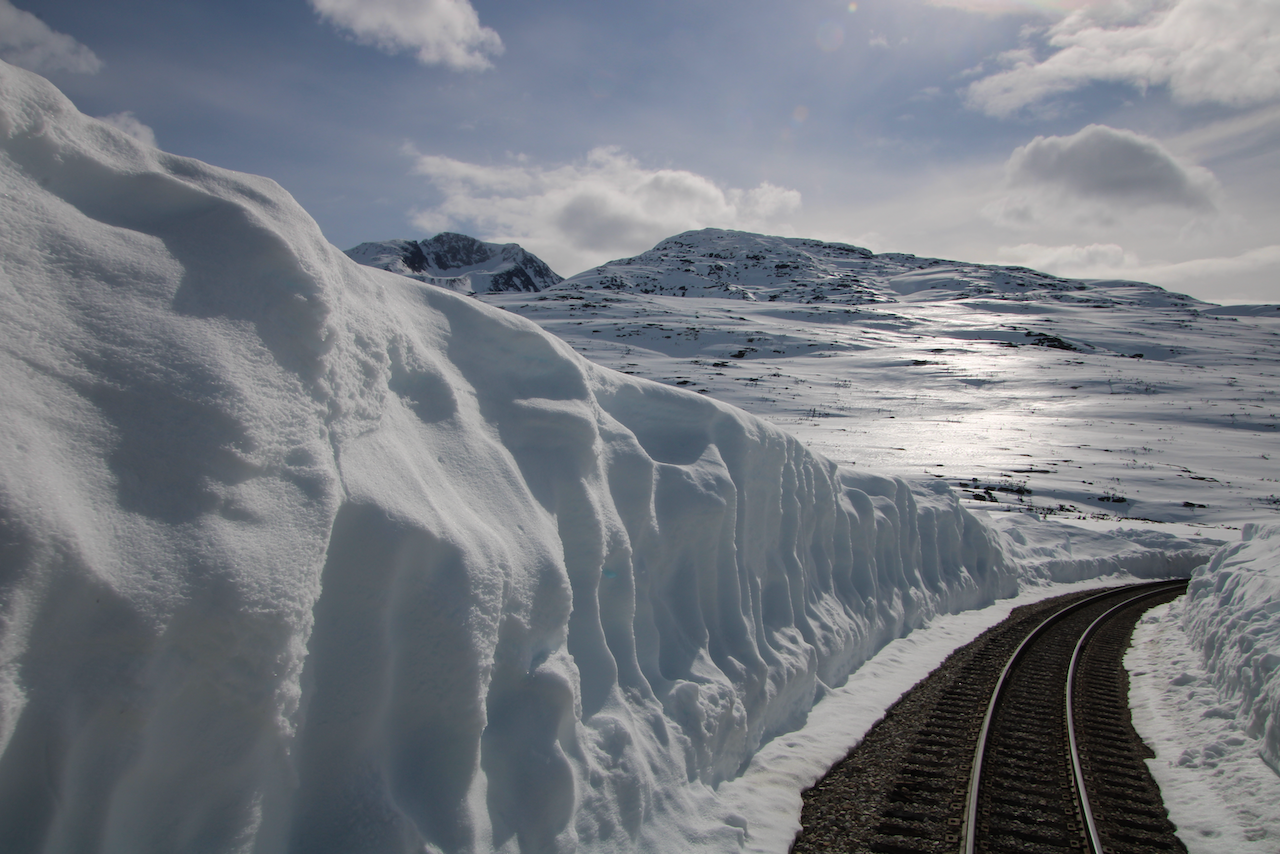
column 459, row 263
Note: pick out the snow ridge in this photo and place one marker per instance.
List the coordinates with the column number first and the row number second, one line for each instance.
column 459, row 263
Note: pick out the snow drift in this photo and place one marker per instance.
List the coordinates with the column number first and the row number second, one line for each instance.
column 1232, row 614
column 297, row 555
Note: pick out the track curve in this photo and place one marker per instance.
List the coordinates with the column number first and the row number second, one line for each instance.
column 977, row 757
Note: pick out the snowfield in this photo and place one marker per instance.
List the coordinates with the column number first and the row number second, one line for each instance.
column 1086, row 401
column 299, row 555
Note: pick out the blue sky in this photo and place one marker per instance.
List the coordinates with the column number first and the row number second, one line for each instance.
column 1106, row 138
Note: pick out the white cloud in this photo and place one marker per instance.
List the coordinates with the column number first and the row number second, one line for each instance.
column 1098, row 175
column 585, row 213
column 27, row 41
column 1247, row 277
column 873, row 240
column 1118, row 166
column 1096, row 259
column 1205, row 51
column 1254, row 131
column 129, row 123
column 1016, row 7
column 443, row 32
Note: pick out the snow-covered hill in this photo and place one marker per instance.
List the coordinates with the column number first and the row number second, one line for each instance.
column 459, row 263
column 299, row 555
column 1085, row 400
column 715, row 262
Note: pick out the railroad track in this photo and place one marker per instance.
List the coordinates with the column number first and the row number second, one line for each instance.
column 987, row 754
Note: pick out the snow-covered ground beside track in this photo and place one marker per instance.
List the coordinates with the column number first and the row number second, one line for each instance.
column 1205, row 689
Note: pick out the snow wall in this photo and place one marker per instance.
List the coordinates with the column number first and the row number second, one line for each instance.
column 296, row 555
column 1232, row 615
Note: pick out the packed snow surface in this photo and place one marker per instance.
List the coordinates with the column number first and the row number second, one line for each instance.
column 296, row 555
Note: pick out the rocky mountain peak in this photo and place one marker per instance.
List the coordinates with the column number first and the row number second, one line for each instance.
column 460, row 263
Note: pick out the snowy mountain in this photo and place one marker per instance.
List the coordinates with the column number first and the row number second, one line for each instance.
column 1086, row 400
column 459, row 263
column 300, row 555
column 714, row 262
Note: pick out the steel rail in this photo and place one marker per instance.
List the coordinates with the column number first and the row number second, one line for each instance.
column 968, row 837
column 1077, row 770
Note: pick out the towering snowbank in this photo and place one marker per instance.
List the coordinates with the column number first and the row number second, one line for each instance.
column 1232, row 614
column 299, row 555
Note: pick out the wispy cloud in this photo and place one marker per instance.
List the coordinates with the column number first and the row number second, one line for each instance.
column 1247, row 277
column 603, row 207
column 1100, row 174
column 442, row 32
column 1017, row 7
column 128, row 122
column 1095, row 259
column 28, row 42
column 1205, row 51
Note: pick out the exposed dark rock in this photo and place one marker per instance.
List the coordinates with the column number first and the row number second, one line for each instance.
column 460, row 263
